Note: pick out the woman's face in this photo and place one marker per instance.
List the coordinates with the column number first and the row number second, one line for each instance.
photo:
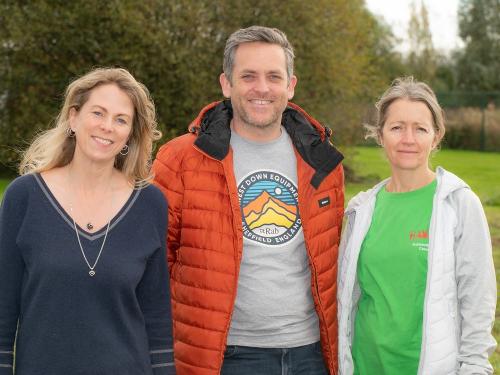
column 408, row 135
column 103, row 124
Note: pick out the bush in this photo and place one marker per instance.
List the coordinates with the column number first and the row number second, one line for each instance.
column 464, row 129
column 175, row 48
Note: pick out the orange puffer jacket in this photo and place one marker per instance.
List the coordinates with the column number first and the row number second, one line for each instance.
column 205, row 238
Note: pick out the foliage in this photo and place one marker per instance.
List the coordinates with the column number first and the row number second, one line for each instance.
column 472, row 129
column 478, row 65
column 422, row 59
column 66, row 39
column 175, row 47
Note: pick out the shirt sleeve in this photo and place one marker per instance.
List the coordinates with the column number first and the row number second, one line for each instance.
column 11, row 273
column 476, row 286
column 154, row 298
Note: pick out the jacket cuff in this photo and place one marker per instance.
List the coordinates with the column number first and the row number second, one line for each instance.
column 6, row 362
column 162, row 361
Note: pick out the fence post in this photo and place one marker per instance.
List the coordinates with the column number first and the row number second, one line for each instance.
column 482, row 139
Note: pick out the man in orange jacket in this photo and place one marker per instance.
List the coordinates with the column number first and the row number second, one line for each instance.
column 255, row 193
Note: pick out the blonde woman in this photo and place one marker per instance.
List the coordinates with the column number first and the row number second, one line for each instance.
column 417, row 289
column 83, row 277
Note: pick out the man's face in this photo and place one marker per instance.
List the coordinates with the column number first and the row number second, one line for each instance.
column 259, row 90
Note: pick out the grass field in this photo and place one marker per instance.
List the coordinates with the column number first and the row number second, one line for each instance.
column 3, row 184
column 480, row 170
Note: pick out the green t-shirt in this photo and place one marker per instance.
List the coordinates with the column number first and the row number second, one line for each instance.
column 392, row 273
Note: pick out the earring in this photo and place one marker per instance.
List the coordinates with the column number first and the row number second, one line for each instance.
column 70, row 133
column 124, row 150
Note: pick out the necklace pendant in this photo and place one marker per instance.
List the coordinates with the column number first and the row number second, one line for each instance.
column 91, row 272
column 90, row 226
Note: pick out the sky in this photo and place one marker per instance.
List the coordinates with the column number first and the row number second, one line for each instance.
column 442, row 19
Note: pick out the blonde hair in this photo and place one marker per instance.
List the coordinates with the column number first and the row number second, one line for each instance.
column 412, row 90
column 54, row 148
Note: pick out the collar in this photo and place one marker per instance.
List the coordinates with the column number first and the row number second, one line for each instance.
column 447, row 183
column 310, row 139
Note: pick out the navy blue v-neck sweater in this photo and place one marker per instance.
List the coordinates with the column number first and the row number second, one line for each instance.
column 67, row 322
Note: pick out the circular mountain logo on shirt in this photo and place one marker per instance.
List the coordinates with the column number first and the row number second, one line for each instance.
column 269, row 206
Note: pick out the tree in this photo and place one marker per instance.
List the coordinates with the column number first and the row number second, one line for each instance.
column 156, row 40
column 479, row 63
column 422, row 58
column 175, row 47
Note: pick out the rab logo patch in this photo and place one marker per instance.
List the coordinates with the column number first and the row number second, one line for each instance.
column 269, row 207
column 324, row 202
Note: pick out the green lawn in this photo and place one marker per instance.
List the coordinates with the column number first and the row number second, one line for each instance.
column 479, row 170
column 3, row 184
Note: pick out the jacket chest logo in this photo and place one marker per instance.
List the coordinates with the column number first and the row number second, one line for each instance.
column 324, row 202
column 269, row 208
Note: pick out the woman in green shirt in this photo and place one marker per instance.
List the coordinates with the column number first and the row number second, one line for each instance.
column 417, row 289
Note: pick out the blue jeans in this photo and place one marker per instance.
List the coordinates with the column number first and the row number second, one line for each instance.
column 302, row 360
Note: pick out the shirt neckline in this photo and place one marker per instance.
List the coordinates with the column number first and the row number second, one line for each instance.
column 69, row 220
column 284, row 135
column 409, row 194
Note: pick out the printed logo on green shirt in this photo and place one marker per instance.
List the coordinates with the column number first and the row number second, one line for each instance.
column 420, row 239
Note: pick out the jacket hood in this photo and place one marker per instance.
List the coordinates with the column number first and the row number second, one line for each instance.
column 447, row 184
column 311, row 140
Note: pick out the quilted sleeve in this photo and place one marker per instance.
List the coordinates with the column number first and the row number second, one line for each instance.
column 168, row 177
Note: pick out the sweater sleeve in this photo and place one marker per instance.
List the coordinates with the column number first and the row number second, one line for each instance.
column 11, row 272
column 153, row 294
column 476, row 286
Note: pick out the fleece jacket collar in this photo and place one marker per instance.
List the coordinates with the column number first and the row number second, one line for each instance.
column 447, row 184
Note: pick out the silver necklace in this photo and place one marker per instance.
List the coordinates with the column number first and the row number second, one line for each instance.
column 90, row 227
column 91, row 268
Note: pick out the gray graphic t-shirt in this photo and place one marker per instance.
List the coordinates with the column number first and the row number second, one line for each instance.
column 274, row 307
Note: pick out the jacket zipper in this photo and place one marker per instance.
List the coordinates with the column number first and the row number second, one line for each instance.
column 237, row 271
column 432, row 228
column 237, row 262
column 358, row 233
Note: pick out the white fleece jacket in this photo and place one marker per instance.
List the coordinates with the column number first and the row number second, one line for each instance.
column 460, row 297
